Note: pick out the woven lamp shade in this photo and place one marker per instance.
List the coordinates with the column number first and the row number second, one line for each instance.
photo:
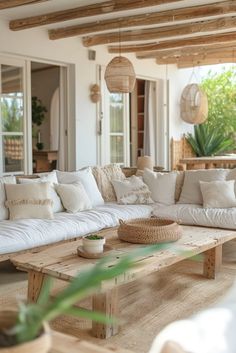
column 144, row 162
column 193, row 104
column 120, row 76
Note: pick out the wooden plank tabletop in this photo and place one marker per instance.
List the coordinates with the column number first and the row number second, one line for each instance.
column 68, row 344
column 62, row 262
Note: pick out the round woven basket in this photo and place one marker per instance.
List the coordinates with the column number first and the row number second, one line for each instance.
column 194, row 104
column 149, row 231
column 120, row 76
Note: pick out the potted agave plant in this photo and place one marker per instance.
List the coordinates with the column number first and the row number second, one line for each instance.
column 93, row 243
column 27, row 331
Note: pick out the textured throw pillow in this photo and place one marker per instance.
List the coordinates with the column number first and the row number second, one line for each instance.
column 232, row 176
column 88, row 181
column 191, row 192
column 4, row 213
column 218, row 194
column 104, row 176
column 29, row 201
column 52, row 179
column 161, row 185
column 74, row 197
column 132, row 191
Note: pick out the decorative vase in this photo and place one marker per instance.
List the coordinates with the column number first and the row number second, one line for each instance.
column 93, row 246
column 41, row 344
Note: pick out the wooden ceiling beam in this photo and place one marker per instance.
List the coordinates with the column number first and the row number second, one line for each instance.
column 170, row 16
column 185, row 65
column 7, row 4
column 161, row 32
column 165, row 54
column 230, row 54
column 176, row 43
column 84, row 11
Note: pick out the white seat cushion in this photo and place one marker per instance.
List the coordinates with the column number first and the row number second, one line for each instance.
column 26, row 234
column 197, row 215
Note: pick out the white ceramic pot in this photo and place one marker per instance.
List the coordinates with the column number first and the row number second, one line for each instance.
column 93, row 246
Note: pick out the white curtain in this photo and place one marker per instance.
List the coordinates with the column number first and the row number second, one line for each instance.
column 150, row 121
column 57, row 129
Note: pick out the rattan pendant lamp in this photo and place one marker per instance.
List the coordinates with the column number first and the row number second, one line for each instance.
column 120, row 75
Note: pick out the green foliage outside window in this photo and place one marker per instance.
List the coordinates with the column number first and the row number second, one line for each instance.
column 221, row 92
column 218, row 134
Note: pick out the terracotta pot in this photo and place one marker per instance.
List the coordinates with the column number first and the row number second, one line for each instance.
column 41, row 344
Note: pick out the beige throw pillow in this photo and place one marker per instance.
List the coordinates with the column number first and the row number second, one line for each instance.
column 191, row 192
column 132, row 191
column 218, row 194
column 74, row 197
column 104, row 176
column 29, row 201
column 86, row 178
column 161, row 185
column 52, row 179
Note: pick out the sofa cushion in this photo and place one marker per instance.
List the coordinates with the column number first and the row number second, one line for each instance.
column 74, row 197
column 191, row 192
column 26, row 234
column 29, row 201
column 232, row 176
column 52, row 179
column 104, row 176
column 190, row 214
column 218, row 194
column 161, row 185
column 132, row 191
column 86, row 177
column 4, row 212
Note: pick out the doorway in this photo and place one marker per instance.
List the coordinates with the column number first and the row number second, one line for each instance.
column 147, row 121
column 48, row 121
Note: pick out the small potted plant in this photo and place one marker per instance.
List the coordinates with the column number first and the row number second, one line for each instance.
column 93, row 243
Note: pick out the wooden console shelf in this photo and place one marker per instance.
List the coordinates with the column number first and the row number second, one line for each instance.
column 45, row 161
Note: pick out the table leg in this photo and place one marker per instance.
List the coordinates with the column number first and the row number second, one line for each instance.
column 35, row 282
column 106, row 303
column 212, row 262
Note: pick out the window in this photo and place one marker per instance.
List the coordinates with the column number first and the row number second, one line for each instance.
column 117, row 128
column 115, row 136
column 11, row 119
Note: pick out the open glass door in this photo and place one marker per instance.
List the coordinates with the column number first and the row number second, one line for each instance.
column 12, row 118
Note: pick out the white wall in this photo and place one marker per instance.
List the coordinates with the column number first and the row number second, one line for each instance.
column 178, row 80
column 34, row 43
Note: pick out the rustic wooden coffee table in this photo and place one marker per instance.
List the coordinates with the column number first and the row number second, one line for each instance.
column 62, row 262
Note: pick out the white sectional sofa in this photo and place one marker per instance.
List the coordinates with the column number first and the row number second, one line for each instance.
column 175, row 199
